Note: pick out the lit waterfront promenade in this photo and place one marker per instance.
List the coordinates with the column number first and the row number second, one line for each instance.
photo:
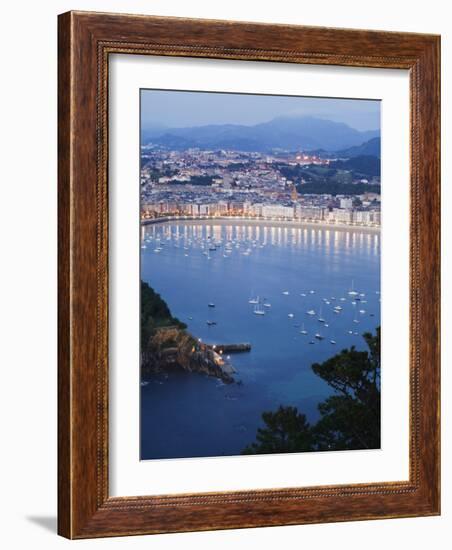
column 241, row 220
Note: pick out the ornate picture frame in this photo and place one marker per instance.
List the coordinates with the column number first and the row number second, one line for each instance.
column 86, row 40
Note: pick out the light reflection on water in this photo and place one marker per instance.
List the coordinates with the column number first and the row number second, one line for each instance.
column 187, row 415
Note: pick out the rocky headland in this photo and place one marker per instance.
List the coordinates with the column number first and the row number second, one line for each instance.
column 166, row 345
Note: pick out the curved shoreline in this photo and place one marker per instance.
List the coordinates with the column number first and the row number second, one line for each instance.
column 188, row 220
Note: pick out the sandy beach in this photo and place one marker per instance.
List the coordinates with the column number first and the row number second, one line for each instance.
column 267, row 222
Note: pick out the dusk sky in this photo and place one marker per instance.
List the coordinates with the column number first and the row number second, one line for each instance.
column 181, row 109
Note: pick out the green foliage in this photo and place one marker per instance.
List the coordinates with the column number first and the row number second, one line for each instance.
column 154, row 313
column 286, row 431
column 199, row 180
column 337, row 188
column 367, row 165
column 336, row 178
column 349, row 419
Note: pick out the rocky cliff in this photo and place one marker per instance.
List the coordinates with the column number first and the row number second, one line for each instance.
column 172, row 348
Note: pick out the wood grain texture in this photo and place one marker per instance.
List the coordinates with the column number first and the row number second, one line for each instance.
column 85, row 42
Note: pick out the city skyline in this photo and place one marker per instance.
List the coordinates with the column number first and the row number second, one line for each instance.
column 186, row 109
column 260, row 275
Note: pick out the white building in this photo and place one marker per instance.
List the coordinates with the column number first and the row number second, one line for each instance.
column 256, row 209
column 309, row 212
column 278, row 211
column 346, row 203
column 340, row 215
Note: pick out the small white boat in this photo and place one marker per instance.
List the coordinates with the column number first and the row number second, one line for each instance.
column 258, row 311
column 254, row 300
column 303, row 330
column 303, row 294
column 312, row 292
column 291, row 315
column 338, row 308
column 332, row 341
column 352, row 291
column 266, row 304
column 310, row 312
column 318, row 336
column 286, row 292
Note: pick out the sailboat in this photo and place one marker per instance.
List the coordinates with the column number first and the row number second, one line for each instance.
column 353, row 292
column 258, row 310
column 310, row 312
column 303, row 330
column 253, row 300
column 320, row 319
column 318, row 336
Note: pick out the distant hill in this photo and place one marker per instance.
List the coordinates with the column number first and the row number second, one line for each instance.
column 365, row 164
column 370, row 148
column 293, row 133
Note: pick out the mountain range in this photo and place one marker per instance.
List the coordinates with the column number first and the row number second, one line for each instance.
column 371, row 148
column 300, row 132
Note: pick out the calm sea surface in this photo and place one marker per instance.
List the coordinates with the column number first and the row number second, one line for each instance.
column 293, row 269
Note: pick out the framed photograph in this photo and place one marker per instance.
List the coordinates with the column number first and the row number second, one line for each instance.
column 248, row 275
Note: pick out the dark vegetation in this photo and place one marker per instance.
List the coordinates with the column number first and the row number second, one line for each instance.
column 335, row 179
column 335, row 188
column 349, row 419
column 199, row 180
column 155, row 313
column 362, row 165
